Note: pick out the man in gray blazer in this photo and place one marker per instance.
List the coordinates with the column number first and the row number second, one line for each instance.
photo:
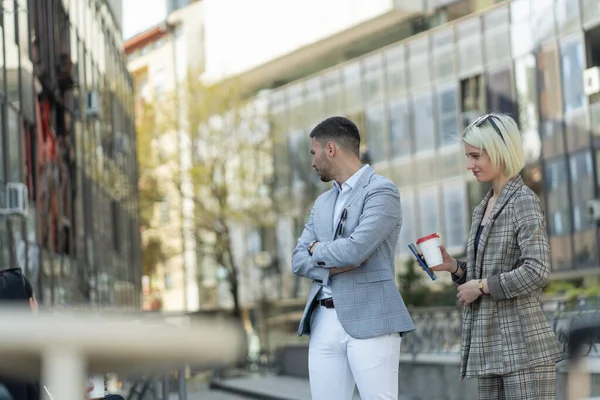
column 355, row 315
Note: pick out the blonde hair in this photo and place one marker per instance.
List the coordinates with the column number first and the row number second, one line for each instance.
column 504, row 150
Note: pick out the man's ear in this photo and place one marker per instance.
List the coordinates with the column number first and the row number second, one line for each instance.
column 330, row 148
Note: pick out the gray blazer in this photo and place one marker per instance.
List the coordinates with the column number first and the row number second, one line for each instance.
column 507, row 331
column 367, row 301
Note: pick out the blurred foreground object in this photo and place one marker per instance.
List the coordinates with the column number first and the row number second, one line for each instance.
column 579, row 380
column 4, row 394
column 64, row 349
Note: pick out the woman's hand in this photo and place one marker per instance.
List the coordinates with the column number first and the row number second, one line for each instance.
column 449, row 264
column 468, row 292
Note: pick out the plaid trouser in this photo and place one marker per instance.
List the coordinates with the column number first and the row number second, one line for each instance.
column 538, row 383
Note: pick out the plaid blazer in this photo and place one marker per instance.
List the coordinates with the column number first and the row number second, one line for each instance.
column 507, row 331
column 367, row 300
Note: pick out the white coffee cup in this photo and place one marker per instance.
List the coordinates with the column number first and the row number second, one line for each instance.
column 430, row 247
column 98, row 390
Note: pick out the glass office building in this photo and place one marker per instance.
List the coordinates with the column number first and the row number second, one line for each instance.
column 68, row 135
column 411, row 99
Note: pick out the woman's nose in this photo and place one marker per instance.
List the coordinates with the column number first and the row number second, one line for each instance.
column 470, row 165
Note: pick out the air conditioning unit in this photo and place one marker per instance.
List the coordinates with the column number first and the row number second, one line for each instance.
column 92, row 104
column 16, row 199
column 591, row 81
column 593, row 209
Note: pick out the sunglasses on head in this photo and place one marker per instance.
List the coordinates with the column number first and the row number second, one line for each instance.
column 490, row 118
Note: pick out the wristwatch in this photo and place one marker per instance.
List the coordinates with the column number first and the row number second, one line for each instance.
column 310, row 247
column 480, row 286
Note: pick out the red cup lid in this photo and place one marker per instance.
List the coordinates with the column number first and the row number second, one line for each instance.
column 425, row 238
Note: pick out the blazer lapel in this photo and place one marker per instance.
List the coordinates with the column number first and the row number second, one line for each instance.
column 363, row 181
column 477, row 218
column 328, row 212
column 509, row 190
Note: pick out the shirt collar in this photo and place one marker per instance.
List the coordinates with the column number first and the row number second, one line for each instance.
column 351, row 182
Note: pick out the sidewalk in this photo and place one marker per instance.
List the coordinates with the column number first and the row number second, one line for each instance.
column 268, row 387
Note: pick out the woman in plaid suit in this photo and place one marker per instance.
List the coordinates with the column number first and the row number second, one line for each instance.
column 507, row 341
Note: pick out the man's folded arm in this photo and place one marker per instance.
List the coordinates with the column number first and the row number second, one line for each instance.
column 302, row 263
column 382, row 212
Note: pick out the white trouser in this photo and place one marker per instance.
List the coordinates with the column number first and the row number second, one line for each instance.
column 336, row 361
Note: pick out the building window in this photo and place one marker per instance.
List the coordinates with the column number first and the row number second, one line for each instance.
column 418, row 58
column 331, row 89
column 395, row 70
column 428, row 210
column 400, row 140
column 472, row 99
column 314, row 100
column 352, row 87
column 448, row 116
column 168, row 281
column 567, row 15
column 582, row 188
column 444, row 53
column 424, row 128
column 372, row 80
column 542, row 21
column 470, row 57
column 500, row 92
column 497, row 36
column 407, row 233
column 572, row 64
column 455, row 212
column 15, row 167
column 300, row 157
column 375, row 132
column 527, row 106
column 520, row 31
column 551, row 115
column 296, row 105
column 556, row 186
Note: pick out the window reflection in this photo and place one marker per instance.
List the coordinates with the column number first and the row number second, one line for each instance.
column 550, row 101
column 400, row 141
column 418, row 59
column 396, row 70
column 500, row 92
column 352, row 89
column 424, row 128
column 497, row 38
column 574, row 98
column 542, row 21
column 455, row 201
column 582, row 185
column 375, row 132
column 428, row 210
column 567, row 15
column 470, row 56
column 520, row 35
column 556, row 186
column 444, row 53
column 527, row 106
column 331, row 89
column 448, row 116
column 300, row 157
column 12, row 62
column 314, row 100
column 372, row 83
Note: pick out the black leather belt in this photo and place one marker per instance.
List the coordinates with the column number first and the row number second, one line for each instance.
column 327, row 303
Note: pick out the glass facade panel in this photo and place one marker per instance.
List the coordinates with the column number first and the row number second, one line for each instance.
column 497, row 36
column 550, row 101
column 455, row 212
column 372, row 78
column 557, row 188
column 542, row 21
column 395, row 61
column 470, row 54
column 423, row 124
column 447, row 101
column 444, row 53
column 527, row 106
column 590, row 11
column 574, row 98
column 582, row 188
column 520, row 30
column 376, row 133
column 300, row 157
column 500, row 92
column 314, row 100
column 332, row 92
column 400, row 140
column 428, row 210
column 567, row 15
column 352, row 88
column 418, row 59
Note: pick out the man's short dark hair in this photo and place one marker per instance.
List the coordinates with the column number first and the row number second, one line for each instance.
column 14, row 286
column 340, row 130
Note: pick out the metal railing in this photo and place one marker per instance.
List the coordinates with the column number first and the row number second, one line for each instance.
column 439, row 329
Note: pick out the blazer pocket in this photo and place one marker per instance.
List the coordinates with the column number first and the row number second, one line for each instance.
column 369, row 277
